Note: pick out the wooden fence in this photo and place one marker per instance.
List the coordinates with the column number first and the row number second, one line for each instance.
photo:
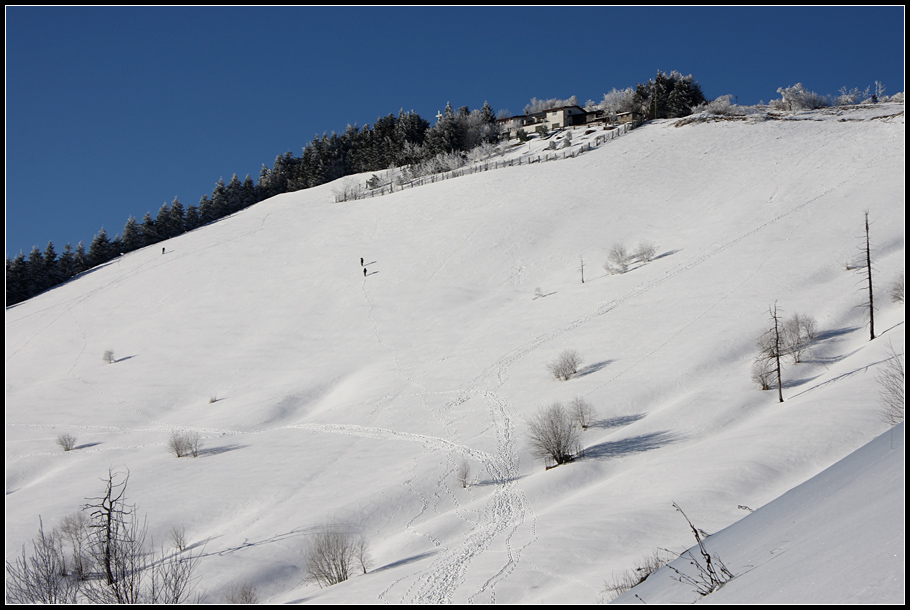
column 483, row 166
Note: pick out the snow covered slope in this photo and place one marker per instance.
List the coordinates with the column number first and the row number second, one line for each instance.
column 838, row 538
column 353, row 398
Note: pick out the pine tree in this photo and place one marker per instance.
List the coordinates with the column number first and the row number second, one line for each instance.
column 51, row 265
column 192, row 219
column 149, row 230
column 162, row 222
column 100, row 250
column 80, row 259
column 132, row 237
column 36, row 274
column 16, row 283
column 67, row 263
column 176, row 219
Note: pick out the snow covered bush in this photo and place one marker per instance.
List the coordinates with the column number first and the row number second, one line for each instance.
column 566, row 365
column 798, row 98
column 721, row 106
column 553, row 435
column 618, row 260
column 645, row 251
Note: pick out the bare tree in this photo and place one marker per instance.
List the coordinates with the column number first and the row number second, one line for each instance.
column 41, row 578
column 582, row 412
column 332, row 555
column 891, row 382
column 798, row 332
column 67, row 441
column 132, row 575
column 772, row 346
column 183, row 443
column 867, row 273
column 73, row 530
column 244, row 593
column 645, row 251
column 553, row 435
column 566, row 365
column 108, row 356
column 618, row 260
column 897, row 289
column 463, row 473
column 763, row 373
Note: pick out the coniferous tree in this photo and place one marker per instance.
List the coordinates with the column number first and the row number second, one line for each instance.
column 192, row 219
column 206, row 210
column 248, row 192
column 80, row 259
column 176, row 218
column 36, row 274
column 67, row 263
column 132, row 237
column 149, row 230
column 219, row 200
column 100, row 251
column 51, row 266
column 162, row 222
column 16, row 283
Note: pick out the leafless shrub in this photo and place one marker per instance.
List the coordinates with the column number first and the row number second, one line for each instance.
column 763, row 373
column 178, row 537
column 891, row 382
column 897, row 289
column 711, row 573
column 242, row 594
column 464, row 473
column 582, row 412
column 798, row 332
column 108, row 356
column 645, row 251
column 630, row 578
column 184, row 443
column 566, row 365
column 67, row 441
column 40, row 578
column 332, row 555
column 553, row 435
column 618, row 260
column 73, row 531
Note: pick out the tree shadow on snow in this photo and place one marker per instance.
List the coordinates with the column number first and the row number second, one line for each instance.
column 627, row 446
column 405, row 561
column 220, row 450
column 617, row 422
column 593, row 368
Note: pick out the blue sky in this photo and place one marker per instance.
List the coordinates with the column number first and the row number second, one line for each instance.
column 112, row 111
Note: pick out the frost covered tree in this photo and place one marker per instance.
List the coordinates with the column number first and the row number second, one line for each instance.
column 565, row 365
column 553, row 435
column 798, row 97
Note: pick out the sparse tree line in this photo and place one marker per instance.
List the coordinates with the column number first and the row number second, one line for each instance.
column 792, row 337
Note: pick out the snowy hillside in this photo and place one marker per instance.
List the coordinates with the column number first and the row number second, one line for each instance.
column 322, row 394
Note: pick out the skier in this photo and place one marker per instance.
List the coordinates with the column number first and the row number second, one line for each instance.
column 361, row 261
column 364, row 272
column 162, row 250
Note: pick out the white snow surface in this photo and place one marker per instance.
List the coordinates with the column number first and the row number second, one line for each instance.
column 353, row 399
